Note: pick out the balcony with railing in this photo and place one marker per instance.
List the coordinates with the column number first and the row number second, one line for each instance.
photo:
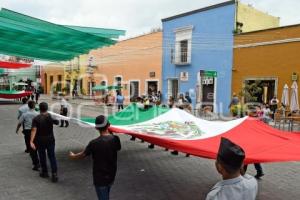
column 182, row 58
column 89, row 70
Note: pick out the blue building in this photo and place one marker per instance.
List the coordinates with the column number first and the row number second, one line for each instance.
column 198, row 54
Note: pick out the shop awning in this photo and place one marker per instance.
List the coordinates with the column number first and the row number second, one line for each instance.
column 25, row 36
column 13, row 65
column 103, row 87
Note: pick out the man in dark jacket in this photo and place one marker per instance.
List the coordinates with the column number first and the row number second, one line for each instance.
column 104, row 153
column 42, row 139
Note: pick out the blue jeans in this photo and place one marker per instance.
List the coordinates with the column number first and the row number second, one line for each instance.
column 103, row 192
column 50, row 148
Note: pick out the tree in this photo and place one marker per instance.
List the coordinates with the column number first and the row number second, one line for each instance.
column 154, row 30
column 251, row 91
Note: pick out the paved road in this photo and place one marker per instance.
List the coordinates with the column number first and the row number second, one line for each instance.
column 143, row 173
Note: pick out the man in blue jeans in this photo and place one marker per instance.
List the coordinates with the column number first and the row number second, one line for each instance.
column 104, row 153
column 42, row 139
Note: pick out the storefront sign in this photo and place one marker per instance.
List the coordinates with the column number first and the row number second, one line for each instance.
column 208, row 73
column 184, row 76
column 152, row 74
column 207, row 80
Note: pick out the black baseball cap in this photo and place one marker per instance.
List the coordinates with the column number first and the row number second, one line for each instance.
column 231, row 154
column 101, row 122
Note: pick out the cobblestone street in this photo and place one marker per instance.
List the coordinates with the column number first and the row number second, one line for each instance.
column 142, row 173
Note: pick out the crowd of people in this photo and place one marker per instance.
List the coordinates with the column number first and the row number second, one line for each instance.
column 35, row 93
column 39, row 137
column 40, row 141
column 183, row 102
column 40, row 144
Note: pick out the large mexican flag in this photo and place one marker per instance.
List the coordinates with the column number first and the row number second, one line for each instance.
column 178, row 130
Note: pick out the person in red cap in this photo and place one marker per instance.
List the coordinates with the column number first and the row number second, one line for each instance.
column 104, row 153
column 234, row 186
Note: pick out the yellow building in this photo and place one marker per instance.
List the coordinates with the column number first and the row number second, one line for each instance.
column 250, row 19
column 270, row 57
column 76, row 75
column 52, row 78
column 66, row 77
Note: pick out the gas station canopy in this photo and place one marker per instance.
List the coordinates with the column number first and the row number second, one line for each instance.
column 25, row 36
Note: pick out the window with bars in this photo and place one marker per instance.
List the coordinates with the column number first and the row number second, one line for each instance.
column 183, row 51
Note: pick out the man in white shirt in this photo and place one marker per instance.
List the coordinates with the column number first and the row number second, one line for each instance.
column 23, row 109
column 234, row 186
column 63, row 111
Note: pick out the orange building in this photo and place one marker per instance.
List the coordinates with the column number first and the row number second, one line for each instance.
column 270, row 57
column 134, row 64
column 52, row 78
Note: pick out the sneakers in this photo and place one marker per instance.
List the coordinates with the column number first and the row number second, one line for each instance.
column 259, row 175
column 54, row 178
column 44, row 175
column 36, row 168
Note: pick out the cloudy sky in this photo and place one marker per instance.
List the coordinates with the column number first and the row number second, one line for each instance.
column 134, row 16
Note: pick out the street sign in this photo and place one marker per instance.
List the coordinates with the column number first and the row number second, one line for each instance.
column 208, row 73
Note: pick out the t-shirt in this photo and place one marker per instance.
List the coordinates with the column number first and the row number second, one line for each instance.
column 63, row 103
column 188, row 98
column 44, row 125
column 140, row 105
column 240, row 188
column 266, row 112
column 120, row 99
column 27, row 118
column 23, row 109
column 104, row 152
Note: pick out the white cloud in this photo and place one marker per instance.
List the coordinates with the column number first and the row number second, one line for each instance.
column 134, row 16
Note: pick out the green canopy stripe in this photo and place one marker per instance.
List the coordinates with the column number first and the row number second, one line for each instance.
column 25, row 36
column 109, row 33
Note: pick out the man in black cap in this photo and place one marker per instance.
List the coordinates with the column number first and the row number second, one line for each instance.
column 229, row 164
column 104, row 153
